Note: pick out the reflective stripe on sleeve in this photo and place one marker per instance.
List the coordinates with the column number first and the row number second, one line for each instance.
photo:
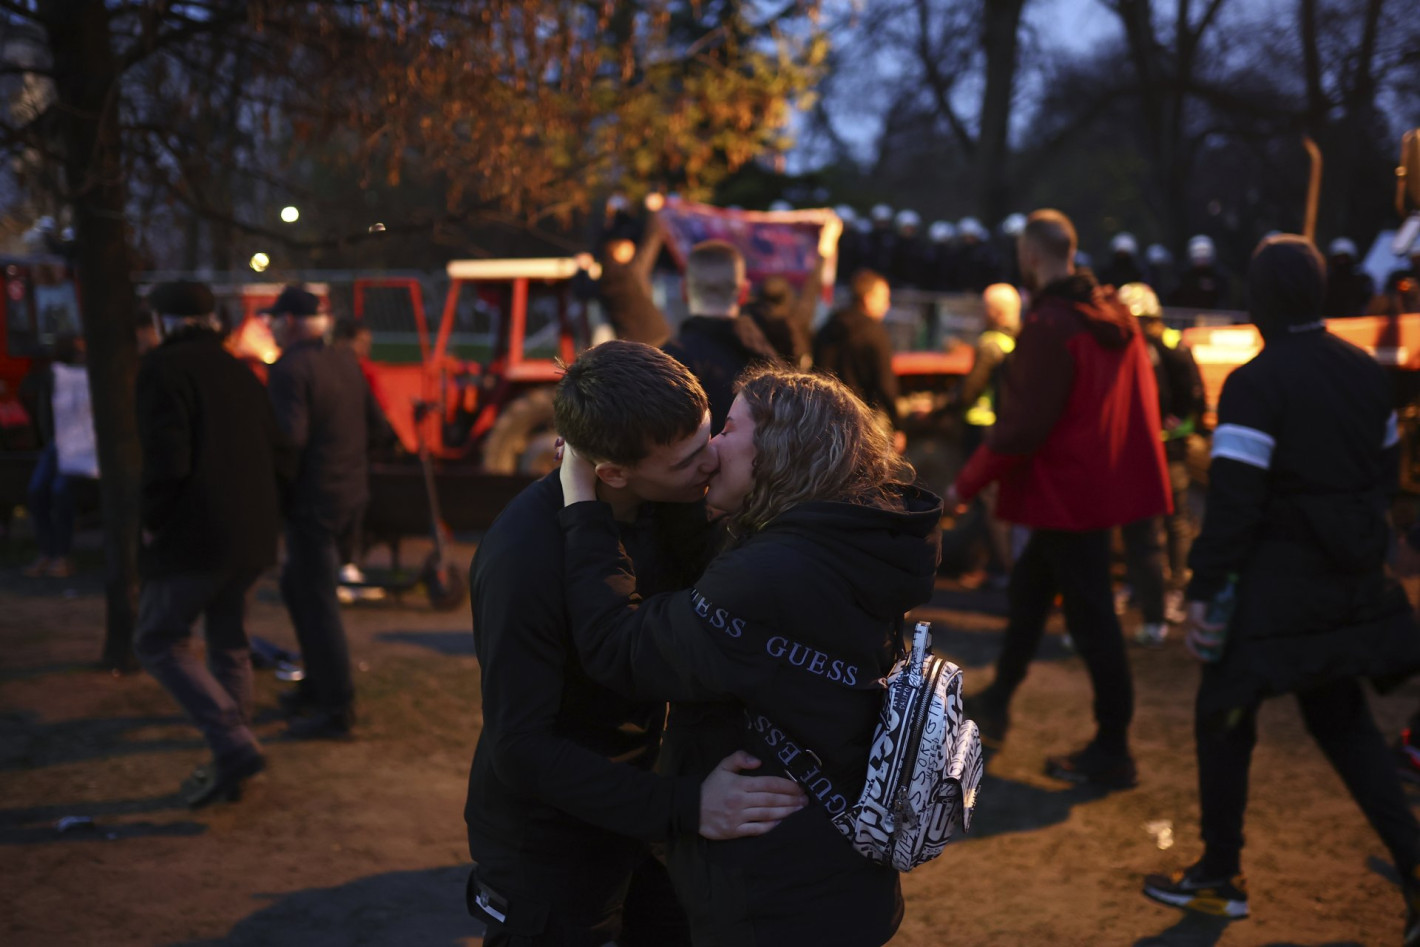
column 1392, row 432
column 1243, row 444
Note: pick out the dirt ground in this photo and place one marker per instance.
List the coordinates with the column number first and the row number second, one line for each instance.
column 363, row 842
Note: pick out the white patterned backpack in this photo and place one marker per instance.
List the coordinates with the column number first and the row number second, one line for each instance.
column 923, row 769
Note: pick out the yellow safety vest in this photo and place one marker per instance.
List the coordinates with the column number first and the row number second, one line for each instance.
column 983, row 412
column 1172, row 337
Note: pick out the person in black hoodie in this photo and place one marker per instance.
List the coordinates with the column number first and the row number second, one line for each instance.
column 1305, row 460
column 797, row 619
column 716, row 341
column 854, row 346
column 212, row 458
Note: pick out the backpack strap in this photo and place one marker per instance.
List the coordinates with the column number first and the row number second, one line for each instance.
column 804, row 767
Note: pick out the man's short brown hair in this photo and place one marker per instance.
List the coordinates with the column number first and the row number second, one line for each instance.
column 714, row 272
column 621, row 398
column 864, row 281
column 1051, row 232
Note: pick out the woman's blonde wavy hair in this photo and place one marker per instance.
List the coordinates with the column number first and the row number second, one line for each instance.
column 813, row 440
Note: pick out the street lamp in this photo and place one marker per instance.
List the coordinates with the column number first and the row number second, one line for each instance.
column 290, row 214
column 259, row 262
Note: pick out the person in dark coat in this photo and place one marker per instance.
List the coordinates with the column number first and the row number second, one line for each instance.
column 1202, row 285
column 853, row 345
column 1076, row 451
column 796, row 621
column 212, row 457
column 1349, row 288
column 716, row 341
column 1305, row 460
column 785, row 315
column 562, row 796
column 326, row 411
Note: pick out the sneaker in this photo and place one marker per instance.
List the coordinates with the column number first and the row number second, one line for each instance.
column 1093, row 766
column 992, row 717
column 1151, row 634
column 1187, row 888
column 350, row 574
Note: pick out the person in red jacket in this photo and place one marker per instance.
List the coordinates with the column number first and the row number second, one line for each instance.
column 1076, row 451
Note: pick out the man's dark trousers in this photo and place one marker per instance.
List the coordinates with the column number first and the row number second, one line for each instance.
column 1339, row 720
column 308, row 582
column 218, row 697
column 1074, row 565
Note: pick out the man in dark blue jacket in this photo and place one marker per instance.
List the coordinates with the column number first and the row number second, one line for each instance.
column 210, row 516
column 326, row 411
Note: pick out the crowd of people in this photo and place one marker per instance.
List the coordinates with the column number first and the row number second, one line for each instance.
column 734, row 537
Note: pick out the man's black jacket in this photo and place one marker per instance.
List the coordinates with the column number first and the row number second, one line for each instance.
column 562, row 771
column 325, row 409
column 211, row 460
column 718, row 349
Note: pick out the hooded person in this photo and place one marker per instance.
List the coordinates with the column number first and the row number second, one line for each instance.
column 1076, row 451
column 1304, row 465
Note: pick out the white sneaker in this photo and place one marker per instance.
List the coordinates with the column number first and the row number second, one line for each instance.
column 1151, row 634
column 1174, row 612
column 368, row 593
column 350, row 574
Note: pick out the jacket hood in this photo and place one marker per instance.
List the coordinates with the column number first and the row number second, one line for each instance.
column 1286, row 284
column 888, row 552
column 1105, row 318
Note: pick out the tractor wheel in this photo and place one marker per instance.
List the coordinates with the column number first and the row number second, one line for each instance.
column 521, row 440
column 446, row 586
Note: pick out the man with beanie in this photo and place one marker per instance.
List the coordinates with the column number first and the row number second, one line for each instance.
column 1076, row 451
column 210, row 516
column 1305, row 459
column 326, row 411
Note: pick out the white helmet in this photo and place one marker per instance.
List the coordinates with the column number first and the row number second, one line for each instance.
column 907, row 219
column 1013, row 225
column 971, row 227
column 881, row 213
column 846, row 213
column 781, row 205
column 1124, row 243
column 1342, row 246
column 863, row 224
column 941, row 231
column 1201, row 250
column 1158, row 254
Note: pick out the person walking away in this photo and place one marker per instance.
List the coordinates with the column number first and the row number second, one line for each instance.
column 1076, row 451
column 325, row 410
column 562, row 799
column 66, row 419
column 853, row 345
column 1180, row 390
column 212, row 457
column 717, row 342
column 1305, row 460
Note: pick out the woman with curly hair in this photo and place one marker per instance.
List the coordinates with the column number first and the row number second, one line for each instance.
column 777, row 650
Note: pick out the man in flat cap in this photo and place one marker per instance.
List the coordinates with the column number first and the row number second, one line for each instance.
column 212, row 457
column 326, row 410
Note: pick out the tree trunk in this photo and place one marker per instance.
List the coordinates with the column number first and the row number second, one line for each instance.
column 86, row 81
column 1001, row 34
